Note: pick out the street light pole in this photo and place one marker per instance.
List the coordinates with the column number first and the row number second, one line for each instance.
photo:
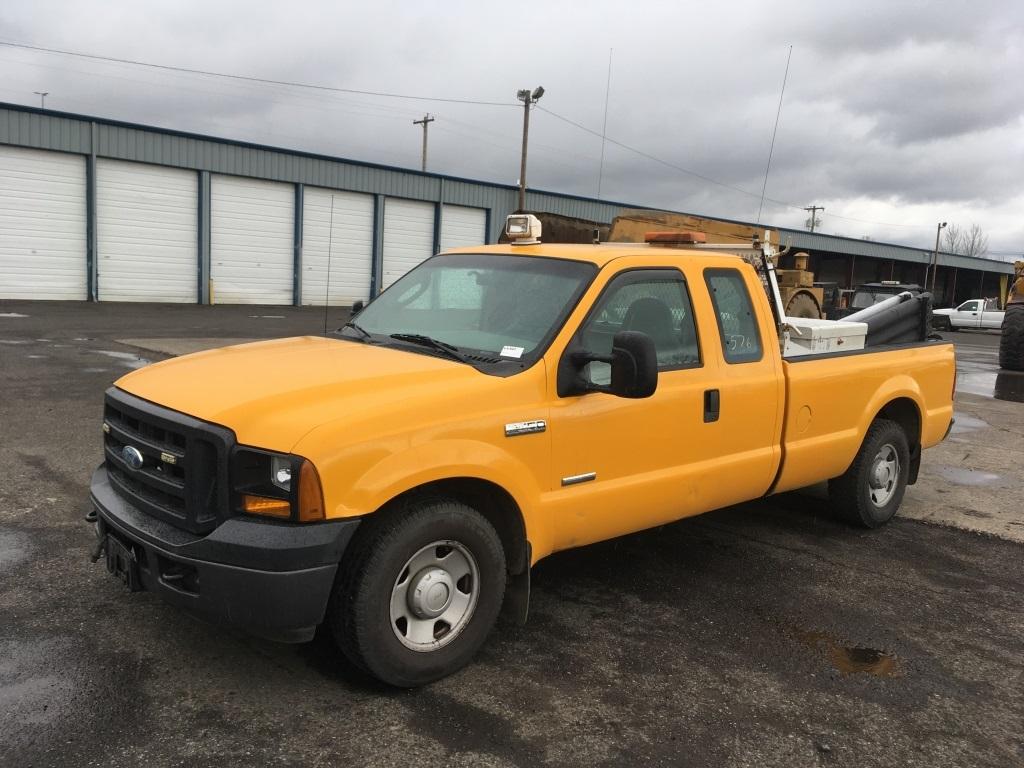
column 935, row 257
column 527, row 98
column 42, row 98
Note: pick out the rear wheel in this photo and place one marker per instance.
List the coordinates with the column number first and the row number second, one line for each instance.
column 419, row 594
column 871, row 490
column 1011, row 343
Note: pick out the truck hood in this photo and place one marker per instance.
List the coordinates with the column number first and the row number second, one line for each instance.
column 271, row 393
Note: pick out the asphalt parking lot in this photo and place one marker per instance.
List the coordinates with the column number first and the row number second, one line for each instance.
column 763, row 634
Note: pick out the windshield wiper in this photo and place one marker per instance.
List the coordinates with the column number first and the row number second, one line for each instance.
column 426, row 341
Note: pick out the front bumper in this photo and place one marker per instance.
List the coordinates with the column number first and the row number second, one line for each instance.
column 269, row 578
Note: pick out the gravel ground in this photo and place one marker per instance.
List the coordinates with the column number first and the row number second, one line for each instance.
column 764, row 634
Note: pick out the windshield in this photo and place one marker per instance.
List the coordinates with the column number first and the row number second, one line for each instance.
column 865, row 299
column 506, row 308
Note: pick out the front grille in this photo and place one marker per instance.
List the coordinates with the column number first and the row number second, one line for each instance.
column 183, row 477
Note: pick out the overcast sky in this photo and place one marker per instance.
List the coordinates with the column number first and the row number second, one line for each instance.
column 896, row 115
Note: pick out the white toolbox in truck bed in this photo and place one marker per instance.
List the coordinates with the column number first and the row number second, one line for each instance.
column 813, row 336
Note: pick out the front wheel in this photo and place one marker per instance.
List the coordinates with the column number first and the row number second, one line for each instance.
column 871, row 490
column 419, row 594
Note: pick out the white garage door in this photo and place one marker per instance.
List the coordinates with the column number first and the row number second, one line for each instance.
column 146, row 232
column 348, row 232
column 462, row 226
column 408, row 237
column 42, row 225
column 251, row 248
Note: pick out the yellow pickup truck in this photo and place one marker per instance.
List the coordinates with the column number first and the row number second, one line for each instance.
column 398, row 478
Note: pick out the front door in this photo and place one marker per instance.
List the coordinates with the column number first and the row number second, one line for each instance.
column 620, row 465
column 967, row 315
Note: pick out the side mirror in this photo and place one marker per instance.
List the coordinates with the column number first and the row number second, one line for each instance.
column 633, row 363
column 357, row 307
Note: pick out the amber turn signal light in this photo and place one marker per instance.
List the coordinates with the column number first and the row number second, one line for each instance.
column 263, row 505
column 311, row 495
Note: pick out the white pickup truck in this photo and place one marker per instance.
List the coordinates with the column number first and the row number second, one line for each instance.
column 976, row 313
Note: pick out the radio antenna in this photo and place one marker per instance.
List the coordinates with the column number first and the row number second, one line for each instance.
column 330, row 241
column 774, row 131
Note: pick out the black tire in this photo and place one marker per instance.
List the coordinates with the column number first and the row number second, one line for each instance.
column 942, row 323
column 1011, row 343
column 360, row 611
column 854, row 495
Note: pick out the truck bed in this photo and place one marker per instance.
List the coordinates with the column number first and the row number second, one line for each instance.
column 831, row 399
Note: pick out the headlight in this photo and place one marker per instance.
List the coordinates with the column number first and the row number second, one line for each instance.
column 262, row 484
column 281, row 472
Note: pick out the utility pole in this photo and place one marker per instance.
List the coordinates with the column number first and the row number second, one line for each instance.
column 427, row 119
column 527, row 98
column 42, row 98
column 814, row 211
column 935, row 257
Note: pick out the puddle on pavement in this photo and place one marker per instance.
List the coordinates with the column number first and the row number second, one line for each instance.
column 1002, row 385
column 851, row 659
column 963, row 423
column 128, row 359
column 964, row 476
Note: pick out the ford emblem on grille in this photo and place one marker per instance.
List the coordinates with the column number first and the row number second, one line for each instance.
column 132, row 456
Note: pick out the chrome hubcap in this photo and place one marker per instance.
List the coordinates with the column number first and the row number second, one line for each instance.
column 884, row 475
column 434, row 596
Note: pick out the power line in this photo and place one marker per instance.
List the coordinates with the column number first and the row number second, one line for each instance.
column 249, row 78
column 703, row 177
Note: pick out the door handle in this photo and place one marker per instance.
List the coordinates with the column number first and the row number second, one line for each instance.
column 712, row 405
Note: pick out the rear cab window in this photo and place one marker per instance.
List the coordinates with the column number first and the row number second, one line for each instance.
column 734, row 311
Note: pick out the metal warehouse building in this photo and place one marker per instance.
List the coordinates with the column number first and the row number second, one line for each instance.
column 103, row 210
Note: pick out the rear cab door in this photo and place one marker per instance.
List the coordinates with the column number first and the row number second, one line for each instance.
column 991, row 316
column 707, row 438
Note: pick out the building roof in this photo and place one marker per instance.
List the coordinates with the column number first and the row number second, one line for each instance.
column 27, row 126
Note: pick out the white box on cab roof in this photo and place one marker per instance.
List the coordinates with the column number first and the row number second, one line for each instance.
column 813, row 336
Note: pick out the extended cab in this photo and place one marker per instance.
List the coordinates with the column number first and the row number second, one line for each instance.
column 398, row 478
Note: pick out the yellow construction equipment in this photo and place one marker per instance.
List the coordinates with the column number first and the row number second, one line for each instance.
column 799, row 296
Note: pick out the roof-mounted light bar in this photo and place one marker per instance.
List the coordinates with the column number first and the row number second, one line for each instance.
column 522, row 229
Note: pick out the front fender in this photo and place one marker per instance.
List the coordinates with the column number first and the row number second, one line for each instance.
column 444, row 459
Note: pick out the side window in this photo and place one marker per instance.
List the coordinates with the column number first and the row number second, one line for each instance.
column 654, row 301
column 741, row 341
column 969, row 306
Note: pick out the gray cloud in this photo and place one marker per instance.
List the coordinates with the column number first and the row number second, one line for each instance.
column 916, row 106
